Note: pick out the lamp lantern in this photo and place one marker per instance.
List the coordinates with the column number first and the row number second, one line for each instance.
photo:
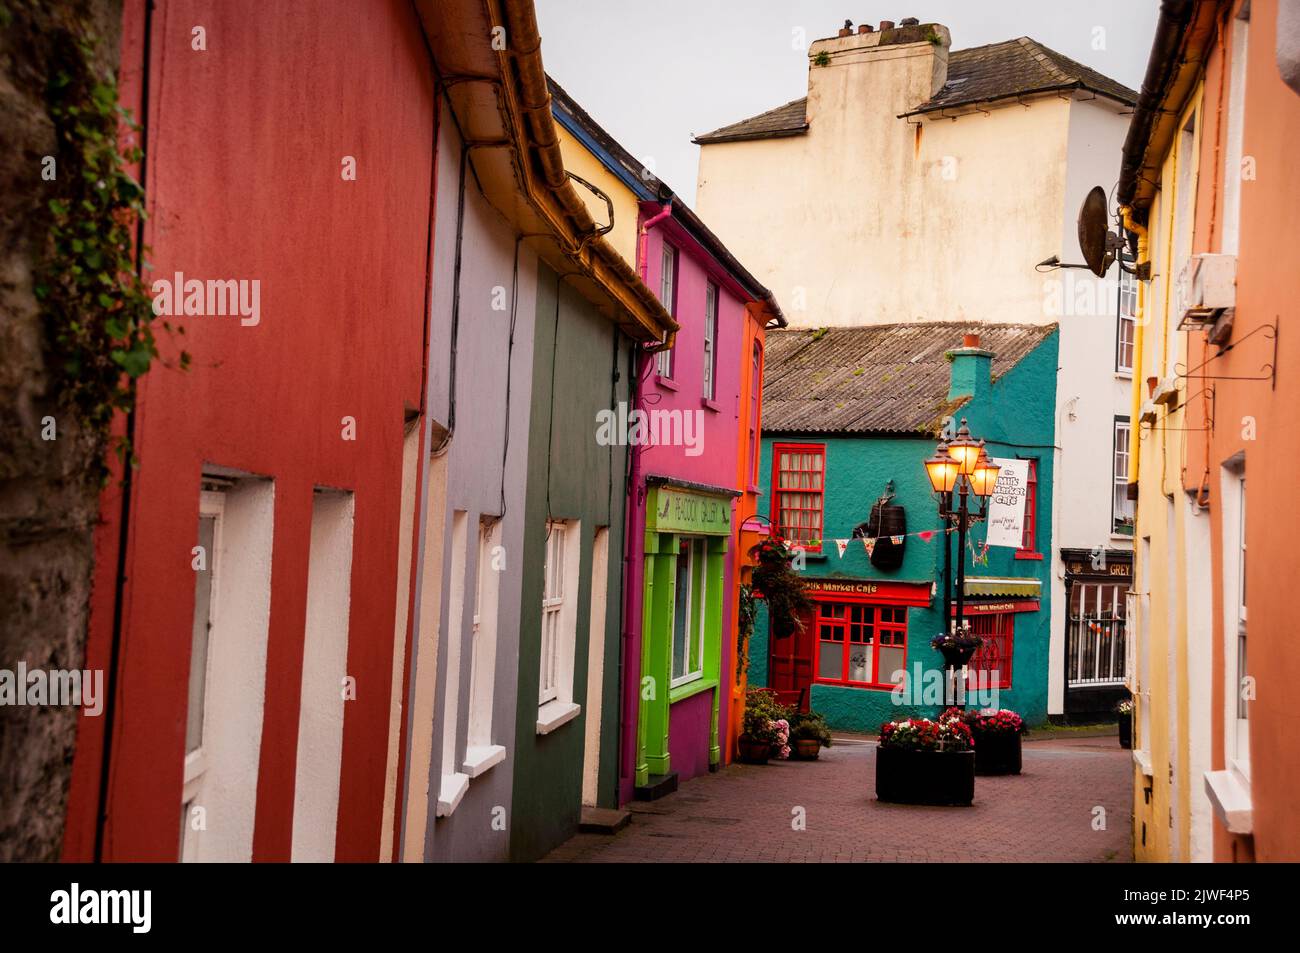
column 964, row 449
column 942, row 469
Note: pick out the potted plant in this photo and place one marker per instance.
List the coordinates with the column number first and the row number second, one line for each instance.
column 1124, row 712
column 779, row 585
column 920, row 761
column 810, row 734
column 957, row 647
column 997, row 736
column 765, row 728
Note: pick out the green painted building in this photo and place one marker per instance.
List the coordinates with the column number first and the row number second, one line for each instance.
column 566, row 733
column 849, row 416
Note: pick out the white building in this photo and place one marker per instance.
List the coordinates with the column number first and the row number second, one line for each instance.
column 917, row 184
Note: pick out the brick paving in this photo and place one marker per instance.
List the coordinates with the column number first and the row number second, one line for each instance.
column 744, row 813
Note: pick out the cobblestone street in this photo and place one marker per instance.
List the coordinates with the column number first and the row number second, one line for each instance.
column 746, row 812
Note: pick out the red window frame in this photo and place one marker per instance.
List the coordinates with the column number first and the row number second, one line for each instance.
column 860, row 624
column 778, row 494
column 1028, row 543
column 999, row 631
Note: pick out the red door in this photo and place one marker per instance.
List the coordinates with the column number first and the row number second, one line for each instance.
column 790, row 666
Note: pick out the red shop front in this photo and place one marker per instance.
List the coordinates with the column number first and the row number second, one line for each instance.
column 856, row 637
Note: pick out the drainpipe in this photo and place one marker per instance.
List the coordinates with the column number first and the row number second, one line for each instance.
column 633, row 528
column 1134, row 456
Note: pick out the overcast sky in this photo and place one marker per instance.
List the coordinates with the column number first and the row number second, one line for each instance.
column 656, row 72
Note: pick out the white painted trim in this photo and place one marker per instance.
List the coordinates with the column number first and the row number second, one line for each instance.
column 1231, row 800
column 479, row 758
column 554, row 714
column 1143, row 760
column 451, row 791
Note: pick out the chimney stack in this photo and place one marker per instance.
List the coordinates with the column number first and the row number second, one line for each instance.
column 972, row 369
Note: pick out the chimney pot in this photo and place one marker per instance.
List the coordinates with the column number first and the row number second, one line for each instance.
column 886, row 25
column 845, row 31
column 863, row 28
column 970, row 340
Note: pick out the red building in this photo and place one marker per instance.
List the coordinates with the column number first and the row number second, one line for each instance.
column 252, row 676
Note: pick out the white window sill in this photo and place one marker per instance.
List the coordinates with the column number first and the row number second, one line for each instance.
column 450, row 793
column 554, row 714
column 1230, row 797
column 480, row 758
column 1143, row 760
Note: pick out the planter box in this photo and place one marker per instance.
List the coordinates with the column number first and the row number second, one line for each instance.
column 997, row 752
column 752, row 752
column 805, row 750
column 925, row 777
column 1126, row 731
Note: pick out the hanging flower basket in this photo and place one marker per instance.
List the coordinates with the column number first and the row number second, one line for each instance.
column 920, row 761
column 779, row 585
column 957, row 648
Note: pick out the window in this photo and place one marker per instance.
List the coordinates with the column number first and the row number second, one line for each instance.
column 800, row 484
column 1121, row 509
column 552, row 610
column 688, row 612
column 1029, row 542
column 710, row 341
column 860, row 644
column 755, row 435
column 559, row 625
column 668, row 298
column 995, row 655
column 211, row 506
column 1126, row 325
column 1096, row 622
column 483, row 650
column 1234, row 576
column 453, row 783
column 227, row 677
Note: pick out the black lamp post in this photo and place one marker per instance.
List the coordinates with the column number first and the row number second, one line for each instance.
column 959, row 466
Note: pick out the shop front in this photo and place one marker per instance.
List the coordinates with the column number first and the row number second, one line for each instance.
column 1096, row 657
column 856, row 637
column 688, row 528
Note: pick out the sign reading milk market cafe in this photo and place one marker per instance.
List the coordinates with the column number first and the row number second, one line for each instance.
column 1006, row 517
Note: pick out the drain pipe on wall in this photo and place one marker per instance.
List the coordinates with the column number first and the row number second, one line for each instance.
column 641, row 363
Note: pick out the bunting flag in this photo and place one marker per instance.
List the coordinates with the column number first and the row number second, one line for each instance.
column 869, row 545
column 926, row 535
column 841, row 545
column 896, row 540
column 979, row 557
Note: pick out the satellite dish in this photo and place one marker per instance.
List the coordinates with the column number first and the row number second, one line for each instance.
column 1093, row 234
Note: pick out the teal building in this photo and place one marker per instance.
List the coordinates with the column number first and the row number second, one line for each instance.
column 849, row 415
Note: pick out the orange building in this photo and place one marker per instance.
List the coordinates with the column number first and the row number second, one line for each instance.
column 1209, row 186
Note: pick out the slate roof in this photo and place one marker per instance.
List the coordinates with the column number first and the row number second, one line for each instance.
column 982, row 74
column 881, row 379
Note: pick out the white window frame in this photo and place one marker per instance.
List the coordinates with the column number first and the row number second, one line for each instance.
column 710, row 340
column 555, row 704
column 695, row 636
column 480, row 753
column 1126, row 321
column 667, row 289
column 213, row 504
column 1119, row 474
column 1231, row 235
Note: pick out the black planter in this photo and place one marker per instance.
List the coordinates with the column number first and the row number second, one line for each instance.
column 1126, row 730
column 997, row 752
column 925, row 777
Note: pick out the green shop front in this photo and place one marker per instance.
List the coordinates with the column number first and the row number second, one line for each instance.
column 686, row 572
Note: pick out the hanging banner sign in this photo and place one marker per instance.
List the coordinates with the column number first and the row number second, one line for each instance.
column 1006, row 517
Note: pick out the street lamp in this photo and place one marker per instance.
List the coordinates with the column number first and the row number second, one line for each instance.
column 960, row 465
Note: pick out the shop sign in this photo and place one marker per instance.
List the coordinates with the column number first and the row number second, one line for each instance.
column 680, row 511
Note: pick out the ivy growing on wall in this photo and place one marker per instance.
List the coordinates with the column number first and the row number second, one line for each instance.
column 98, row 312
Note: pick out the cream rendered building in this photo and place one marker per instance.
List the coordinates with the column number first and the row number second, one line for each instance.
column 918, row 183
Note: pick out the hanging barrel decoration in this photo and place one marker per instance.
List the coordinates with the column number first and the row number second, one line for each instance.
column 886, row 520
